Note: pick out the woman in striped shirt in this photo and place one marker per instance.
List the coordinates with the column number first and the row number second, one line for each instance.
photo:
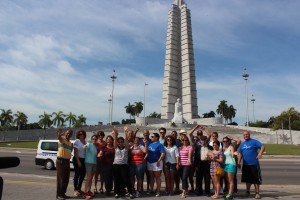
column 185, row 155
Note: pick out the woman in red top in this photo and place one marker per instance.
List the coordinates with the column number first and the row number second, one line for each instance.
column 108, row 155
column 138, row 165
column 100, row 145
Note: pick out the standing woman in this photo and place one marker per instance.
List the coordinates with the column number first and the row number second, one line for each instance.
column 100, row 145
column 90, row 165
column 216, row 160
column 185, row 155
column 156, row 154
column 138, row 154
column 229, row 165
column 79, row 162
column 108, row 155
column 120, row 164
column 171, row 163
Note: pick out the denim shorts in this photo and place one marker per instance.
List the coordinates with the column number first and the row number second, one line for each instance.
column 137, row 170
column 89, row 167
column 171, row 166
column 230, row 168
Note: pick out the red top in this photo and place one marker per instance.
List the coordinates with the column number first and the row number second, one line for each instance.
column 137, row 155
column 108, row 155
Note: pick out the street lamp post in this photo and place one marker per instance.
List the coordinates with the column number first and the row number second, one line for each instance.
column 109, row 110
column 145, row 104
column 253, row 100
column 113, row 78
column 246, row 76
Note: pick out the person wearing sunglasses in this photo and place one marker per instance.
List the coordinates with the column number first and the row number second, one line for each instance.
column 78, row 162
column 185, row 163
column 229, row 166
column 171, row 164
column 90, row 165
column 120, row 164
column 100, row 145
column 156, row 154
column 216, row 159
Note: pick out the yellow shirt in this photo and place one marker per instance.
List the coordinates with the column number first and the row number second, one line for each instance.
column 65, row 148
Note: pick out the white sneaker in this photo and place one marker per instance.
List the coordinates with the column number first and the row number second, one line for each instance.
column 257, row 196
column 221, row 191
column 157, row 195
column 137, row 194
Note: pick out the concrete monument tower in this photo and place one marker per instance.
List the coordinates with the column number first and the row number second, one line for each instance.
column 179, row 73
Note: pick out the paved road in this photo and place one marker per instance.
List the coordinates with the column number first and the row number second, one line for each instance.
column 28, row 181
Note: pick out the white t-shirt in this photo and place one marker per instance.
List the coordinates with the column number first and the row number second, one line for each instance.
column 79, row 146
column 220, row 146
column 171, row 154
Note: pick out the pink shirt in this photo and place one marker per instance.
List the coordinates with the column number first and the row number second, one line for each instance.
column 184, row 155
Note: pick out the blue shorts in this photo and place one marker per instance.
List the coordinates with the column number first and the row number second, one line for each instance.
column 171, row 166
column 137, row 170
column 230, row 168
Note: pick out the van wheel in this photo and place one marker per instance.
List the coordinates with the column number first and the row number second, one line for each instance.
column 49, row 164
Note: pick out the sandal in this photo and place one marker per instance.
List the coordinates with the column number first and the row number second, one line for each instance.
column 95, row 191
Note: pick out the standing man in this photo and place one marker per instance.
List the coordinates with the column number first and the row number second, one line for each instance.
column 64, row 153
column 202, row 166
column 162, row 133
column 251, row 169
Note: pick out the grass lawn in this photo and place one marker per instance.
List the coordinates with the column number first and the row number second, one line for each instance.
column 282, row 149
column 21, row 144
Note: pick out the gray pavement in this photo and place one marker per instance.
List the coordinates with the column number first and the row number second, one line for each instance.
column 19, row 186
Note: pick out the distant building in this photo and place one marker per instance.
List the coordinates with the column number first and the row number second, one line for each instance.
column 179, row 73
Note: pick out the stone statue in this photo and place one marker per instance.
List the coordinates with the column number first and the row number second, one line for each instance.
column 178, row 118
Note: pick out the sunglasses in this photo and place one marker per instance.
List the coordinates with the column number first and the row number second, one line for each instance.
column 185, row 140
column 94, row 139
column 225, row 140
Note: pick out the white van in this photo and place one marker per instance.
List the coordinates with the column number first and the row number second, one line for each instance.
column 46, row 154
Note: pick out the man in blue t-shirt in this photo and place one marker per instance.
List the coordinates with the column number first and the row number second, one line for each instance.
column 251, row 170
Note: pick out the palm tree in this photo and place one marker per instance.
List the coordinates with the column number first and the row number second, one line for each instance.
column 222, row 108
column 130, row 110
column 45, row 121
column 20, row 119
column 58, row 118
column 71, row 118
column 6, row 118
column 231, row 111
column 138, row 108
column 81, row 121
column 290, row 113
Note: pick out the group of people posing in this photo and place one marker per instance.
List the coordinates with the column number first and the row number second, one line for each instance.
column 121, row 163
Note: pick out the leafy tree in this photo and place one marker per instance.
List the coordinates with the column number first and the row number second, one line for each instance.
column 209, row 114
column 259, row 123
column 20, row 119
column 138, row 108
column 222, row 108
column 230, row 113
column 115, row 123
column 45, row 120
column 6, row 118
column 81, row 121
column 154, row 115
column 71, row 118
column 290, row 114
column 130, row 110
column 58, row 118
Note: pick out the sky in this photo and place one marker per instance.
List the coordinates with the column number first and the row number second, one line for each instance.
column 59, row 56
